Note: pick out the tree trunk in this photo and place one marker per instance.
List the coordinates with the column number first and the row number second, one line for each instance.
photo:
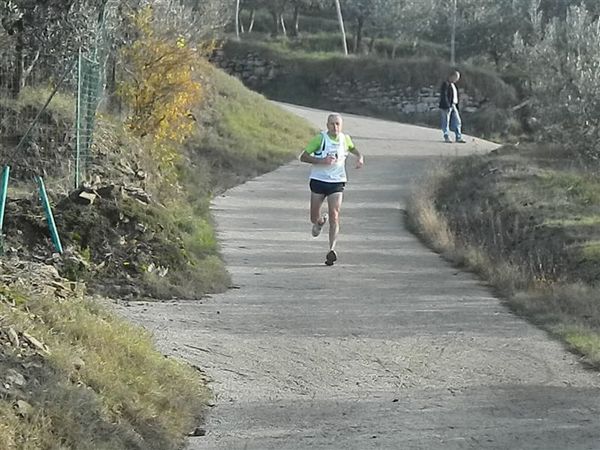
column 283, row 27
column 360, row 23
column 296, row 29
column 251, row 24
column 237, row 19
column 338, row 9
column 19, row 68
column 114, row 104
column 27, row 71
column 372, row 44
column 275, row 24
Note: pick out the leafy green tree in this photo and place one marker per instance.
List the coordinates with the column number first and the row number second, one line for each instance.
column 561, row 63
column 487, row 27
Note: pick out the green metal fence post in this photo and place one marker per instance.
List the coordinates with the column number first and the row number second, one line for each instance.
column 49, row 217
column 3, row 193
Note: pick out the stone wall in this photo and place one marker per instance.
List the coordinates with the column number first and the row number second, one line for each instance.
column 257, row 72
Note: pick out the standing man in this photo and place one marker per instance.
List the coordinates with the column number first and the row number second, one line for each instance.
column 327, row 154
column 449, row 106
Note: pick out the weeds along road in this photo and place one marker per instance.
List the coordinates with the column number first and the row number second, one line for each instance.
column 391, row 348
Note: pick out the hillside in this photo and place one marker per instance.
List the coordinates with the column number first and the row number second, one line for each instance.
column 75, row 375
column 405, row 88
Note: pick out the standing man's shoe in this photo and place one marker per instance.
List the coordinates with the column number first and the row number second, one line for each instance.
column 461, row 141
column 447, row 140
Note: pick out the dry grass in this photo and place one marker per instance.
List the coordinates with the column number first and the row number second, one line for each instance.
column 101, row 385
column 425, row 219
column 545, row 264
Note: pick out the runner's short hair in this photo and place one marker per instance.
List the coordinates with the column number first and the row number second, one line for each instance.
column 334, row 115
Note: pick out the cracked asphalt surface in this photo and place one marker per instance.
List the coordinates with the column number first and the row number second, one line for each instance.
column 391, row 348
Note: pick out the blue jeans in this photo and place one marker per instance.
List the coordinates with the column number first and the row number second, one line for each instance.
column 451, row 122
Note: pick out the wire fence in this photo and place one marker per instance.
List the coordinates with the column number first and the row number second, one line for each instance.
column 48, row 102
column 88, row 94
column 47, row 113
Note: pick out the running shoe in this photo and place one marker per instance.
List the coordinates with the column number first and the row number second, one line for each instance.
column 316, row 228
column 331, row 258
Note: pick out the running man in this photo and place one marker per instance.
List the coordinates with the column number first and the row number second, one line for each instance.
column 327, row 154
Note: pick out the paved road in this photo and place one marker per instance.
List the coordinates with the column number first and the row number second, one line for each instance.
column 392, row 348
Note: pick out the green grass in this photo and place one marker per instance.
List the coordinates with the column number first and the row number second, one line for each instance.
column 30, row 97
column 577, row 187
column 101, row 385
column 583, row 341
column 247, row 135
column 591, row 250
column 577, row 221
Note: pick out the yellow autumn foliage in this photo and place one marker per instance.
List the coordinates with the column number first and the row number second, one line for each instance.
column 160, row 90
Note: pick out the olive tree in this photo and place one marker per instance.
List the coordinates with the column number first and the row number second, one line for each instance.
column 561, row 61
column 55, row 29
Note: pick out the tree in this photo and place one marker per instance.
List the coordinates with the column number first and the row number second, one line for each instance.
column 404, row 20
column 54, row 28
column 276, row 9
column 252, row 6
column 359, row 11
column 561, row 63
column 297, row 7
column 160, row 90
column 197, row 21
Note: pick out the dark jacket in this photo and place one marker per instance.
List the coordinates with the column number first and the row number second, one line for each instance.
column 446, row 95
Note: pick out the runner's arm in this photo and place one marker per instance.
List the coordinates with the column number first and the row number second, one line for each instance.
column 305, row 157
column 352, row 149
column 313, row 146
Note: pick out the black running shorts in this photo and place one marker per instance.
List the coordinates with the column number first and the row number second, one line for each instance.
column 324, row 188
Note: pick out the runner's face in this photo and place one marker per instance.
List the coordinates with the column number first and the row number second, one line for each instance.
column 334, row 126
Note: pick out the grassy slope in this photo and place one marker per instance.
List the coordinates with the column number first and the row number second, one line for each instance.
column 247, row 136
column 102, row 385
column 527, row 220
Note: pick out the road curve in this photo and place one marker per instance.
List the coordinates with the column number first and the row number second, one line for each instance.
column 392, row 348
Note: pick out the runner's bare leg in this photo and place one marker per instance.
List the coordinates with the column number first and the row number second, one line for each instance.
column 334, row 202
column 316, row 201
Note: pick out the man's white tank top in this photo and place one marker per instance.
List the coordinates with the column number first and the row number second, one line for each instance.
column 335, row 173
